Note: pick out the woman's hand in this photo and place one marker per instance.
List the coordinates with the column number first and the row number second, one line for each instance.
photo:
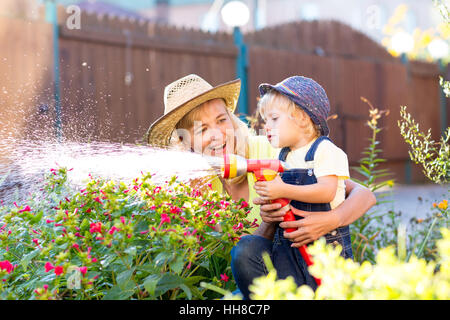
column 270, row 212
column 270, row 190
column 313, row 226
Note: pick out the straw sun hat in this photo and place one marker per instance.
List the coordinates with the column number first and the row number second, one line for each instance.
column 182, row 96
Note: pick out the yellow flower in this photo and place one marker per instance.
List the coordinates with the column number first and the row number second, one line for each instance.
column 443, row 205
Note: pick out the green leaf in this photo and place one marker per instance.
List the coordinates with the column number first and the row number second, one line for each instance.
column 131, row 251
column 177, row 264
column 124, row 278
column 169, row 282
column 150, row 283
column 27, row 258
column 118, row 293
column 162, row 258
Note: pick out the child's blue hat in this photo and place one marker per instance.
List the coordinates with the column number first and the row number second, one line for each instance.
column 307, row 94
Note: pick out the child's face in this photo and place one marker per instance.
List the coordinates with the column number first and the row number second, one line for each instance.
column 282, row 129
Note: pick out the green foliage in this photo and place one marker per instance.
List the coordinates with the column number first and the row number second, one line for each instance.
column 434, row 157
column 116, row 241
column 366, row 233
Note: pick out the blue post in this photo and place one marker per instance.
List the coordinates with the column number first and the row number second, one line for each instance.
column 51, row 16
column 443, row 99
column 241, row 71
column 408, row 163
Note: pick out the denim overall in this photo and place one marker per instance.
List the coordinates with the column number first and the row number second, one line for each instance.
column 282, row 251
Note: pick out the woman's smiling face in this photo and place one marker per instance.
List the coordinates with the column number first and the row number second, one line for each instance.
column 213, row 132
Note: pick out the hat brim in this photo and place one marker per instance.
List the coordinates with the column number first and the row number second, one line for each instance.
column 264, row 88
column 160, row 131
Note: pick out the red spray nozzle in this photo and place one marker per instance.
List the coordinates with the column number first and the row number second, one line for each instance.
column 265, row 169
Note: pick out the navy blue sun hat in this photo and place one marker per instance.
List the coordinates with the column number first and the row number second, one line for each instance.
column 307, row 94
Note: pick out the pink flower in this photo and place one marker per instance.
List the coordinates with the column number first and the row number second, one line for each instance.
column 95, row 227
column 36, row 241
column 113, row 229
column 175, row 209
column 7, row 266
column 239, row 226
column 98, row 200
column 83, row 270
column 224, row 277
column 244, row 204
column 48, row 266
column 59, row 270
column 122, row 219
column 164, row 218
column 26, row 209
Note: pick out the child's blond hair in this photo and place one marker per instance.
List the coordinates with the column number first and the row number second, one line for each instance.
column 274, row 99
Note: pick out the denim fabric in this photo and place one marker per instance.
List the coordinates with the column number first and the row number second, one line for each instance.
column 305, row 177
column 246, row 256
column 246, row 261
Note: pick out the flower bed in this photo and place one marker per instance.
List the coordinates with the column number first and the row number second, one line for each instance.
column 116, row 241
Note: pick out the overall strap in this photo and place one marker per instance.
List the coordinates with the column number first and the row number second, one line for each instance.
column 312, row 150
column 283, row 153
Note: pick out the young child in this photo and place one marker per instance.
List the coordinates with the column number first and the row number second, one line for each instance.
column 295, row 113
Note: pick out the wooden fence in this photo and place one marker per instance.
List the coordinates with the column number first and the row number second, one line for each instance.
column 113, row 72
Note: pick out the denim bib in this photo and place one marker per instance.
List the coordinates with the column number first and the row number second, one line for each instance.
column 282, row 251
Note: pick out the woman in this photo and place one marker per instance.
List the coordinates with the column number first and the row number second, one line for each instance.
column 199, row 117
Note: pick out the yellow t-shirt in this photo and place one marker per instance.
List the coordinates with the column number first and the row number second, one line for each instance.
column 328, row 160
column 258, row 148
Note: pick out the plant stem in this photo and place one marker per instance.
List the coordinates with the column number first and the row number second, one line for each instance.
column 422, row 246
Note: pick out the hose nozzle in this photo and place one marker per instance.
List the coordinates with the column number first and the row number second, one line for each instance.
column 234, row 166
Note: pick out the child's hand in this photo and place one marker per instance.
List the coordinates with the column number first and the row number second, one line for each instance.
column 270, row 190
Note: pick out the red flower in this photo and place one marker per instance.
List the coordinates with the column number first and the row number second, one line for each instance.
column 59, row 270
column 95, row 227
column 7, row 266
column 224, row 277
column 83, row 270
column 244, row 204
column 48, row 266
column 175, row 209
column 98, row 200
column 164, row 218
column 27, row 208
column 113, row 229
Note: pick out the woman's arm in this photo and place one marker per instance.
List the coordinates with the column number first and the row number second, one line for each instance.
column 317, row 224
column 271, row 214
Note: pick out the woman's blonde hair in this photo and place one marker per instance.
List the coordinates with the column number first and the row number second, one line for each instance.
column 274, row 99
column 241, row 133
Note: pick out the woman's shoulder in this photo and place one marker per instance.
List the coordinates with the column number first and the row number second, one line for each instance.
column 259, row 147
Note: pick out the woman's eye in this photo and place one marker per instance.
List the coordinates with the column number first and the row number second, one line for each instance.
column 200, row 131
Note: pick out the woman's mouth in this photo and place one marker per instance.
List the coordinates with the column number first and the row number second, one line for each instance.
column 218, row 149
